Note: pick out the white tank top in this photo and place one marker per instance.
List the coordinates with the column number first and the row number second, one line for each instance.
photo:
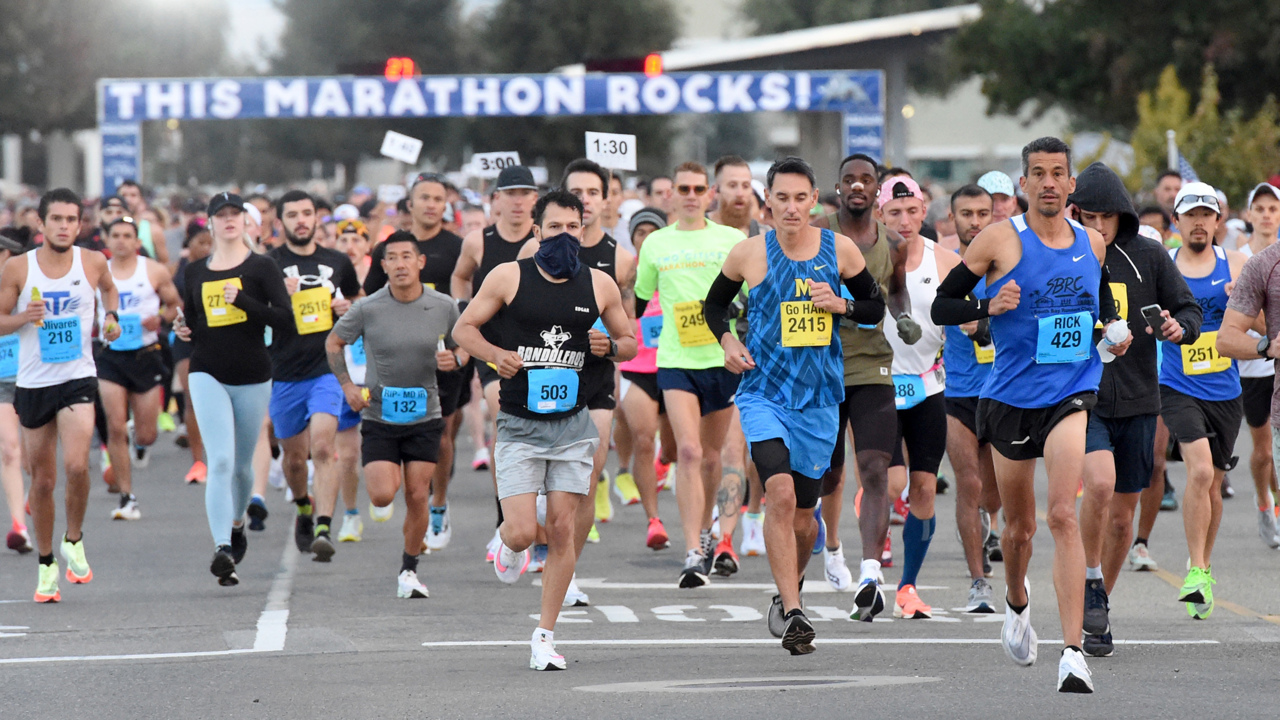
column 922, row 285
column 138, row 300
column 1255, row 368
column 59, row 351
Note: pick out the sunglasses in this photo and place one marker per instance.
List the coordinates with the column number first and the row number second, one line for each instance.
column 354, row 226
column 691, row 189
column 1189, row 200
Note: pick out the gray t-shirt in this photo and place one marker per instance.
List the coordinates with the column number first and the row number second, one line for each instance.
column 400, row 344
column 1258, row 290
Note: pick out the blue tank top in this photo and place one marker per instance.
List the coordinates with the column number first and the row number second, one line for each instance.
column 799, row 361
column 1044, row 347
column 965, row 374
column 1198, row 370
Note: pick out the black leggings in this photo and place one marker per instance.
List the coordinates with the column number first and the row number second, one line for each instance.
column 772, row 458
column 924, row 428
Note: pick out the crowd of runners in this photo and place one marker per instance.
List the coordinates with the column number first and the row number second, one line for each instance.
column 722, row 335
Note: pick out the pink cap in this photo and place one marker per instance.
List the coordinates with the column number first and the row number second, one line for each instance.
column 896, row 188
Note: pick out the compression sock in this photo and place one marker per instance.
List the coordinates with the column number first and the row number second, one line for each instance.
column 408, row 562
column 916, row 536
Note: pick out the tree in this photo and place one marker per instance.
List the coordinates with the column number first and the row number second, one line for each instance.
column 775, row 16
column 1094, row 56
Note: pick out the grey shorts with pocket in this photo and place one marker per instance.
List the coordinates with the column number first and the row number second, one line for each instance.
column 532, row 456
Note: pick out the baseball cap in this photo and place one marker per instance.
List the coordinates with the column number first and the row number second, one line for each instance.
column 346, row 211
column 1150, row 233
column 898, row 187
column 111, row 200
column 1264, row 188
column 1194, row 195
column 516, row 177
column 253, row 213
column 996, row 183
column 225, row 199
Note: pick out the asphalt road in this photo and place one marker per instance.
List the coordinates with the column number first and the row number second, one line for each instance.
column 153, row 635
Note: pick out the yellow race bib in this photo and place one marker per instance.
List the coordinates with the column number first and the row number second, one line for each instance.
column 985, row 354
column 217, row 312
column 1120, row 294
column 804, row 325
column 311, row 312
column 1202, row 358
column 691, row 325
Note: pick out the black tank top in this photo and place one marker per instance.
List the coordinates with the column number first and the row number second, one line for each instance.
column 597, row 376
column 602, row 256
column 497, row 250
column 547, row 323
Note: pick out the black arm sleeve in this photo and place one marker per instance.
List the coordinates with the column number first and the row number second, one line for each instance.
column 716, row 307
column 868, row 303
column 952, row 306
column 641, row 304
column 1106, row 302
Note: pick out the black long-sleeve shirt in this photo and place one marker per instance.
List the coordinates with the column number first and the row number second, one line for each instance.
column 236, row 354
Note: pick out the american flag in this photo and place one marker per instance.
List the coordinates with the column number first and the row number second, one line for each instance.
column 1187, row 172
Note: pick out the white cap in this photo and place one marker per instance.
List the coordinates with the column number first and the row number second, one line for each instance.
column 996, row 183
column 1194, row 195
column 346, row 211
column 253, row 212
column 1265, row 188
column 1150, row 233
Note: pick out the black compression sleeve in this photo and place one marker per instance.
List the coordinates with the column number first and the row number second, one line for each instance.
column 868, row 302
column 1106, row 302
column 952, row 306
column 641, row 304
column 716, row 307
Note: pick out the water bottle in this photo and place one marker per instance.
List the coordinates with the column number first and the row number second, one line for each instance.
column 1116, row 333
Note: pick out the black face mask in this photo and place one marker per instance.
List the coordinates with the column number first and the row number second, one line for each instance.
column 558, row 256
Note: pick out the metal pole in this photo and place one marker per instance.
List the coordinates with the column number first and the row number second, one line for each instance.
column 1172, row 138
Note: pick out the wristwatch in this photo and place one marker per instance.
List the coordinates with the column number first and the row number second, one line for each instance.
column 848, row 308
column 1263, row 345
column 613, row 349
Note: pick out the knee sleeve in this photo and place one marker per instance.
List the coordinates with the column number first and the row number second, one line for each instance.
column 771, row 458
column 807, row 489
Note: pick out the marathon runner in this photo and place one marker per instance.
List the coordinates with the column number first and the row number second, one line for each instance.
column 967, row 355
column 18, row 538
column 131, row 368
column 1200, row 389
column 406, row 328
column 199, row 245
column 679, row 263
column 868, row 387
column 231, row 297
column 48, row 301
column 308, row 411
column 1119, row 443
column 1043, row 382
column 545, row 439
column 792, row 368
column 440, row 249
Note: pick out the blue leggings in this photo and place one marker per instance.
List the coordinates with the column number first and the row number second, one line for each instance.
column 230, row 417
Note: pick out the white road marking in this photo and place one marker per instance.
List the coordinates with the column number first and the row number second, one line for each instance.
column 810, row 586
column 766, row 683
column 738, row 613
column 675, row 613
column 566, row 616
column 618, row 613
column 620, row 642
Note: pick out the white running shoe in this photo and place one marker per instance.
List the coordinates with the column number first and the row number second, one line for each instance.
column 1267, row 528
column 1140, row 560
column 540, row 505
column 410, row 586
column 1017, row 636
column 544, row 655
column 492, row 548
column 573, row 597
column 480, row 461
column 715, row 523
column 508, row 564
column 352, row 529
column 838, row 575
column 382, row 514
column 752, row 537
column 1073, row 673
column 438, row 536
column 128, row 509
column 275, row 477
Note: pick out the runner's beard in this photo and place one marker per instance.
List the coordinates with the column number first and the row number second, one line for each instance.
column 296, row 240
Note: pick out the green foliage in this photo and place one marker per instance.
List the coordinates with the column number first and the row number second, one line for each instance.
column 775, row 16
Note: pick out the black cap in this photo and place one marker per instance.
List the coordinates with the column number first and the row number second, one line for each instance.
column 191, row 206
column 225, row 199
column 110, row 200
column 516, row 177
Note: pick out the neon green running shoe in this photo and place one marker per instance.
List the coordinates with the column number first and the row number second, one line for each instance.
column 165, row 423
column 47, row 589
column 1195, row 589
column 604, row 507
column 593, row 536
column 78, row 570
column 1202, row 610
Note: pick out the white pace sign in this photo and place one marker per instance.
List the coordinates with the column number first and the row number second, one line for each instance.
column 490, row 164
column 612, row 150
column 401, row 147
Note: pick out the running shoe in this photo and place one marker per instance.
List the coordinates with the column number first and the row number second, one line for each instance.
column 798, row 636
column 707, row 544
column 574, row 597
column 867, row 602
column 1140, row 559
column 508, row 564
column 838, row 575
column 604, row 506
column 128, row 509
column 239, row 544
column 942, row 486
column 540, row 505
column 726, row 560
column 381, row 514
column 257, row 513
column 408, row 585
column 1073, row 673
column 984, row 518
column 303, row 531
column 898, row 512
column 857, row 503
column 715, row 524
column 47, row 584
column 165, row 423
column 909, row 605
column 538, row 561
column 886, row 556
column 18, row 539
column 1195, row 589
column 1099, row 645
column 819, row 542
column 1096, row 608
column 198, row 473
column 1228, row 492
column 108, row 472
column 694, row 574
column 1080, row 490
column 78, row 570
column 441, row 530
column 491, row 550
column 141, row 455
column 543, row 654
column 593, row 537
column 994, row 552
column 322, row 547
column 663, row 473
column 656, row 538
column 275, row 476
column 181, row 439
column 624, row 486
column 223, row 567
column 480, row 461
column 1017, row 636
column 1267, row 528
column 980, row 598
column 1169, row 502
column 987, row 571
column 752, row 544
column 777, row 625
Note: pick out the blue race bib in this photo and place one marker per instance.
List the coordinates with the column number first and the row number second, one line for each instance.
column 130, row 332
column 552, row 390
column 1064, row 338
column 908, row 391
column 60, row 340
column 357, row 352
column 8, row 356
column 650, row 330
column 403, row 405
